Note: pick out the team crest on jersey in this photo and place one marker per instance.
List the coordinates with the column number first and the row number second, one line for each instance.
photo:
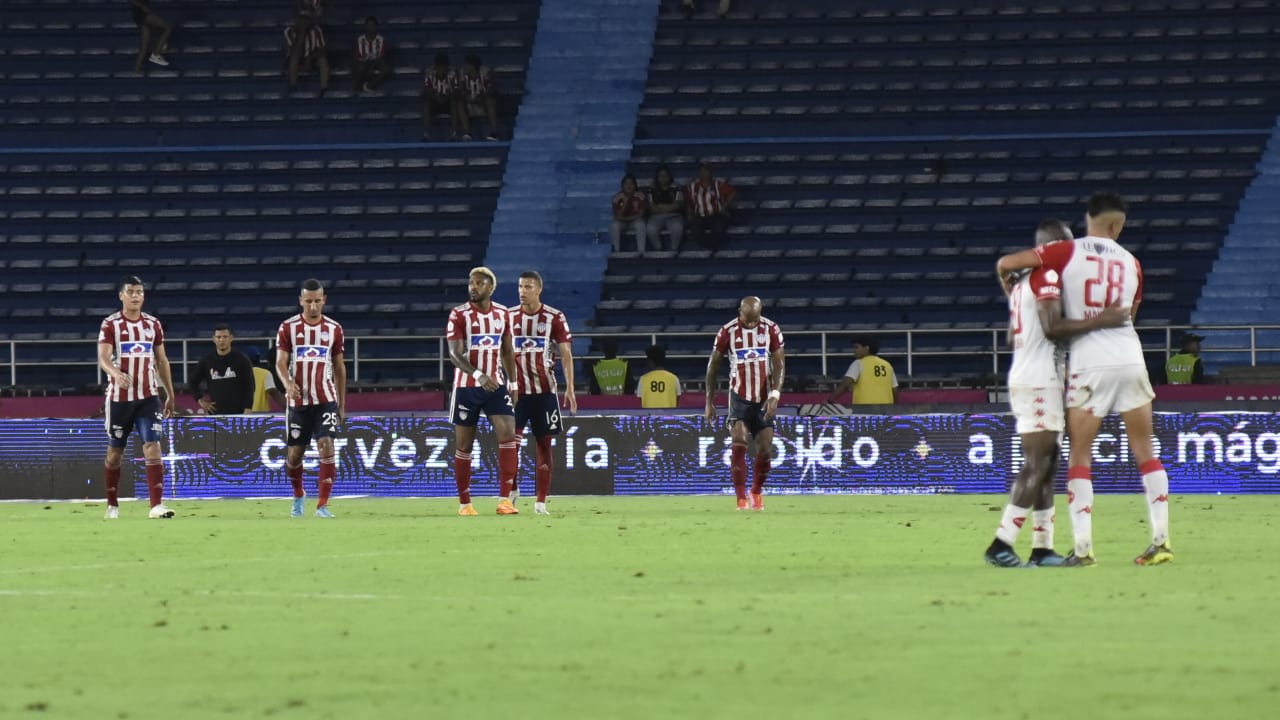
column 485, row 341
column 542, row 327
column 135, row 349
column 324, row 337
column 531, row 344
column 311, row 352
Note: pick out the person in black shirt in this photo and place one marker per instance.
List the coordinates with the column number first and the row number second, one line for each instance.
column 666, row 209
column 226, row 376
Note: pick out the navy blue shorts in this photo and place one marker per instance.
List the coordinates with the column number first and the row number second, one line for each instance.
column 469, row 402
column 145, row 416
column 542, row 411
column 751, row 413
column 311, row 421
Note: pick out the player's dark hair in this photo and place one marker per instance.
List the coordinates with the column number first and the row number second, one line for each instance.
column 872, row 344
column 1054, row 228
column 531, row 275
column 609, row 347
column 661, row 169
column 128, row 280
column 1103, row 202
column 221, row 326
column 371, row 19
column 633, row 180
column 656, row 354
column 312, row 284
column 442, row 59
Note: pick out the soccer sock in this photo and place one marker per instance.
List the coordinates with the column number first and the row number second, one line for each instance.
column 508, row 464
column 462, row 475
column 1156, row 482
column 542, row 476
column 738, row 470
column 1042, row 529
column 155, row 481
column 328, row 471
column 1080, row 501
column 1011, row 523
column 111, row 477
column 761, row 473
column 295, row 478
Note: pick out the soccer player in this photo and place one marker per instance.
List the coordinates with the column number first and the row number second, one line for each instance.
column 1036, row 325
column 1107, row 372
column 754, row 346
column 479, row 335
column 537, row 331
column 309, row 360
column 131, row 354
column 227, row 375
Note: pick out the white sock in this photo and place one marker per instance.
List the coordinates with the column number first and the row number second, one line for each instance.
column 1042, row 529
column 1080, row 500
column 1011, row 522
column 1156, row 482
column 539, row 506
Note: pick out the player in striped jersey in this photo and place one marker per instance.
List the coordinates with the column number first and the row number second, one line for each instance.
column 369, row 68
column 309, row 360
column 131, row 354
column 754, row 346
column 479, row 335
column 537, row 332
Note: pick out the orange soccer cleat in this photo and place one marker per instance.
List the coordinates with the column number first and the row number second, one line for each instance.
column 467, row 510
column 757, row 501
column 505, row 507
column 743, row 504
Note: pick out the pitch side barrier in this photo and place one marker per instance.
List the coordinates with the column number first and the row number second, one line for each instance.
column 1227, row 452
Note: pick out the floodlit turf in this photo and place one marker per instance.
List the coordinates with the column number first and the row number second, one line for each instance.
column 832, row 607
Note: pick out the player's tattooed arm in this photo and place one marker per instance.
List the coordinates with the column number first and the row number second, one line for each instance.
column 458, row 354
column 777, row 371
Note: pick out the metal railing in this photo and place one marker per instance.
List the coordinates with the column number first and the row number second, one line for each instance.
column 906, row 348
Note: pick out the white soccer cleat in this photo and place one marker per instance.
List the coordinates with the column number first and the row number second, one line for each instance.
column 160, row 511
column 113, row 512
column 540, row 508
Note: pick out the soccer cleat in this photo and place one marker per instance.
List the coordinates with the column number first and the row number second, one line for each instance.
column 297, row 509
column 1155, row 555
column 1074, row 560
column 1049, row 559
column 540, row 508
column 467, row 510
column 160, row 511
column 757, row 501
column 113, row 512
column 506, row 508
column 1002, row 556
column 323, row 512
column 158, row 60
column 744, row 504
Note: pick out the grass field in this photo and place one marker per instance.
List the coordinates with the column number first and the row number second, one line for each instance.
column 821, row 607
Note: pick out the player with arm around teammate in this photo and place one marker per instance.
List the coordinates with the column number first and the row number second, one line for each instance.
column 754, row 346
column 1036, row 325
column 1107, row 372
column 131, row 354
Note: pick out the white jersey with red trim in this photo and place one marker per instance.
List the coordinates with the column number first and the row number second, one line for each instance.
column 750, row 352
column 1095, row 272
column 1035, row 357
column 482, row 332
column 313, row 348
column 536, row 335
column 133, row 344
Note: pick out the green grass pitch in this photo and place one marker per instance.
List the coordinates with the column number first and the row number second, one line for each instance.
column 662, row 607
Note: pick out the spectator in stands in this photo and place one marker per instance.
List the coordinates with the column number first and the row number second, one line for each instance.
column 223, row 383
column 311, row 8
column 440, row 96
column 871, row 377
column 148, row 22
column 305, row 50
column 629, row 208
column 666, row 209
column 478, row 97
column 688, row 9
column 1186, row 368
column 709, row 201
column 369, row 68
column 658, row 388
column 610, row 375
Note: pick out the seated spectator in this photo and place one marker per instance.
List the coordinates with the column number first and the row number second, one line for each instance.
column 658, row 388
column 477, row 97
column 369, row 68
column 148, row 22
column 440, row 96
column 666, row 209
column 305, row 50
column 722, row 10
column 628, row 215
column 708, row 204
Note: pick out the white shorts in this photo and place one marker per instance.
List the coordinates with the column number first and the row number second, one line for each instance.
column 1103, row 391
column 1037, row 409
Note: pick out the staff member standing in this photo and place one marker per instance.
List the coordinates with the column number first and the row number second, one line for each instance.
column 871, row 377
column 658, row 388
column 225, row 375
column 1186, row 368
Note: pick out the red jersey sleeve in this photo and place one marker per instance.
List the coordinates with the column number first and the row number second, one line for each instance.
column 338, row 340
column 1137, row 266
column 1055, row 255
column 776, row 342
column 456, row 329
column 284, row 339
column 159, row 333
column 1045, row 283
column 106, row 333
column 722, row 341
column 560, row 329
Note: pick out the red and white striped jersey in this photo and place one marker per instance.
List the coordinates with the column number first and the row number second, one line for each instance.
column 312, row 349
column 749, row 351
column 368, row 48
column 441, row 85
column 707, row 200
column 133, row 344
column 482, row 333
column 536, row 336
column 314, row 39
column 476, row 86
